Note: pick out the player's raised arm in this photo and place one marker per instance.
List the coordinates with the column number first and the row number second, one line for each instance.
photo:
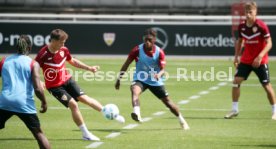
column 77, row 63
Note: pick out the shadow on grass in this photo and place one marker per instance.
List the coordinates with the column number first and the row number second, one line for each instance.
column 17, row 139
column 186, row 117
column 221, row 118
column 33, row 139
column 103, row 130
column 128, row 130
column 261, row 146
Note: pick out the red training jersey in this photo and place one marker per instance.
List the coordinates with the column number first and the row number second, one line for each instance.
column 134, row 55
column 53, row 66
column 254, row 41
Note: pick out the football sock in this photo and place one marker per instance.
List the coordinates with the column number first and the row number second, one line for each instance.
column 136, row 110
column 274, row 108
column 235, row 106
column 84, row 129
column 181, row 119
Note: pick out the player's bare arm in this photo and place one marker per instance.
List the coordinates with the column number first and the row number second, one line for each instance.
column 257, row 61
column 122, row 72
column 77, row 63
column 38, row 87
column 160, row 74
column 238, row 48
column 162, row 64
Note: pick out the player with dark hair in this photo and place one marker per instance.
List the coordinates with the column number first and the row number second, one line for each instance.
column 254, row 35
column 20, row 79
column 150, row 65
column 59, row 82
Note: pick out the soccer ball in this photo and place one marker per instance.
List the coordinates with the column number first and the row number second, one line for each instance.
column 110, row 111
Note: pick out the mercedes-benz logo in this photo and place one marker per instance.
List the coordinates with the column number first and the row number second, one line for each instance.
column 162, row 39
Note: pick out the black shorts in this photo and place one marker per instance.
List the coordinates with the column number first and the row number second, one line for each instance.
column 262, row 72
column 159, row 91
column 66, row 92
column 30, row 120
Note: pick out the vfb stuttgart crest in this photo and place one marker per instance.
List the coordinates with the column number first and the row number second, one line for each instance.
column 109, row 38
column 61, row 53
column 254, row 29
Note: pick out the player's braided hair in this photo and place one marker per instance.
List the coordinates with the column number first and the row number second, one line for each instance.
column 23, row 45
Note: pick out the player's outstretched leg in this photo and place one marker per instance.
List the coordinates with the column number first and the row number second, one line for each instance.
column 135, row 92
column 41, row 138
column 271, row 97
column 93, row 103
column 174, row 109
column 78, row 119
column 235, row 98
column 86, row 134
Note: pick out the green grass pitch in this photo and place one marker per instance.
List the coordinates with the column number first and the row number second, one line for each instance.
column 204, row 111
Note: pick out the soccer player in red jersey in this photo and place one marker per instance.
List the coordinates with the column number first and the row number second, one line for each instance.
column 150, row 64
column 254, row 35
column 59, row 82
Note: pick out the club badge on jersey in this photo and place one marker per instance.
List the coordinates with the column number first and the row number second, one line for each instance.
column 61, row 53
column 254, row 29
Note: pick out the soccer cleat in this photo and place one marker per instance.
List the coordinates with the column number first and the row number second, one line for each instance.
column 231, row 114
column 273, row 116
column 90, row 137
column 120, row 119
column 136, row 117
column 185, row 125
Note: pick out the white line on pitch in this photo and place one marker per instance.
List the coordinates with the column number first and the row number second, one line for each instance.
column 94, row 145
column 222, row 84
column 146, row 119
column 214, row 88
column 182, row 102
column 130, row 126
column 63, row 108
column 198, row 109
column 194, row 97
column 203, row 93
column 159, row 113
column 113, row 135
column 246, row 84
